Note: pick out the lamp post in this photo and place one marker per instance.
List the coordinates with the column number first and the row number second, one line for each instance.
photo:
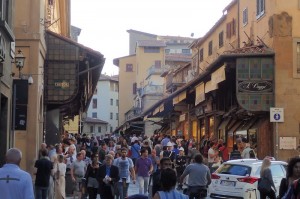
column 19, row 60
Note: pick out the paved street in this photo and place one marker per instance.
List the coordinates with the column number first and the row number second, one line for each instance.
column 133, row 189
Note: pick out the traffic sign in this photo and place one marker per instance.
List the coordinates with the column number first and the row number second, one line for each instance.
column 276, row 115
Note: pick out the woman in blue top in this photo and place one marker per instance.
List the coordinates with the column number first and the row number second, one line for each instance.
column 168, row 182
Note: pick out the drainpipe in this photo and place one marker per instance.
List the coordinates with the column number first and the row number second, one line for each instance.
column 238, row 24
column 189, row 121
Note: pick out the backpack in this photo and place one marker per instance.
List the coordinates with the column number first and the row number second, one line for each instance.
column 252, row 154
column 296, row 188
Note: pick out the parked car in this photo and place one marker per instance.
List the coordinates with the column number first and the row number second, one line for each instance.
column 238, row 178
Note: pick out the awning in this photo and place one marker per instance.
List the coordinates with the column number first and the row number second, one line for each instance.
column 218, row 76
column 210, row 87
column 71, row 74
column 261, row 51
column 179, row 97
column 200, row 95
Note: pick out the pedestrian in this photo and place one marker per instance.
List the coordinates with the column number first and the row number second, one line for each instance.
column 168, row 182
column 59, row 171
column 193, row 151
column 126, row 169
column 108, row 174
column 156, row 177
column 135, row 151
column 154, row 159
column 14, row 182
column 91, row 177
column 199, row 178
column 265, row 173
column 213, row 156
column 43, row 173
column 102, row 152
column 145, row 145
column 169, row 153
column 223, row 151
column 143, row 169
column 247, row 152
column 293, row 173
column 235, row 153
column 78, row 169
column 180, row 164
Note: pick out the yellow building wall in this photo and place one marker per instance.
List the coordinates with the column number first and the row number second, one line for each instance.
column 29, row 25
column 126, row 80
column 213, row 35
column 279, row 29
column 144, row 61
column 73, row 127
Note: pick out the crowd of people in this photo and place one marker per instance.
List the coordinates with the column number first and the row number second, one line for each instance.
column 161, row 165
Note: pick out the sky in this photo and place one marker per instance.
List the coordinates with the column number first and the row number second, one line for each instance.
column 104, row 23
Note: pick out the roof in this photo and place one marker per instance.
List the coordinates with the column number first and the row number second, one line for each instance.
column 151, row 43
column 104, row 77
column 226, row 55
column 181, row 68
column 248, row 50
column 94, row 120
column 229, row 5
column 200, row 41
column 140, row 32
column 116, row 61
column 178, row 57
column 66, row 39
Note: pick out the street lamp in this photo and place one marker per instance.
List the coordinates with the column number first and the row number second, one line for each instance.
column 19, row 60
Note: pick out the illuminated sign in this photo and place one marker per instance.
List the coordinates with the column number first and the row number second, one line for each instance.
column 62, row 84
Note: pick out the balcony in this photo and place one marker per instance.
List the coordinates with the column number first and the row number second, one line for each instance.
column 154, row 70
column 153, row 90
column 172, row 83
column 132, row 113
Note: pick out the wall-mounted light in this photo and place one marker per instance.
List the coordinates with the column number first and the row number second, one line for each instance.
column 30, row 80
column 19, row 61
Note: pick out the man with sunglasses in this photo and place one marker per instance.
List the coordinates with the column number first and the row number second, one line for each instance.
column 165, row 162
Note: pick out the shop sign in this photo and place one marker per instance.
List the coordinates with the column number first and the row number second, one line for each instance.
column 287, row 143
column 199, row 111
column 62, row 84
column 255, row 86
column 182, row 117
column 276, row 115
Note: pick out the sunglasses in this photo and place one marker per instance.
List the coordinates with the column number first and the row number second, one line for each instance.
column 168, row 164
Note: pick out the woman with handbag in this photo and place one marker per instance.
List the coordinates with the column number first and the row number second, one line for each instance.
column 266, row 185
column 90, row 176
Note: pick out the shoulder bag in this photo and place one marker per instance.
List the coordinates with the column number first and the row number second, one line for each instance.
column 264, row 185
